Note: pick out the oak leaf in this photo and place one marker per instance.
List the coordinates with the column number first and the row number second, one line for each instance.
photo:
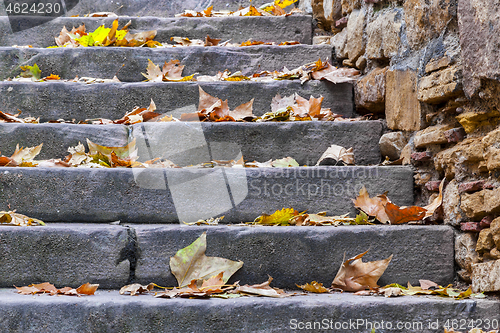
column 355, row 275
column 191, row 263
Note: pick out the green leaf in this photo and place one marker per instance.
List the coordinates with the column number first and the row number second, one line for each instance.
column 286, row 162
column 191, row 263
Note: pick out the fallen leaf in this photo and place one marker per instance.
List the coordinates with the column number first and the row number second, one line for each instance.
column 372, row 206
column 436, row 203
column 427, row 284
column 399, row 215
column 13, row 218
column 355, row 275
column 279, row 217
column 336, row 154
column 191, row 263
column 313, row 287
column 25, row 155
column 262, row 289
column 48, row 288
column 136, row 288
column 334, row 74
column 87, row 289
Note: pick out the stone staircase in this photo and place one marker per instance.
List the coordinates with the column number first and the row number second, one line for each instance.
column 80, row 245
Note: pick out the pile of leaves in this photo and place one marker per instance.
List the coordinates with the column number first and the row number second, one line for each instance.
column 385, row 211
column 184, row 41
column 103, row 36
column 48, row 288
column 275, row 8
column 13, row 218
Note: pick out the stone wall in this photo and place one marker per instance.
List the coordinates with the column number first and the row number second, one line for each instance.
column 432, row 69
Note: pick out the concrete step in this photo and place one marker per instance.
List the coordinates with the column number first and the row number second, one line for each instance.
column 161, row 8
column 113, row 255
column 105, row 62
column 111, row 312
column 112, row 100
column 237, row 28
column 186, row 143
column 171, row 195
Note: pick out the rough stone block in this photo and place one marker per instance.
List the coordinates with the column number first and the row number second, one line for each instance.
column 433, row 135
column 65, row 255
column 349, row 5
column 355, row 46
column 481, row 59
column 440, row 86
column 491, row 154
column 470, row 121
column 383, row 34
column 485, row 241
column 465, row 250
column 470, row 226
column 486, row 276
column 57, row 138
column 433, row 185
column 460, row 158
column 455, row 135
column 391, row 144
column 437, row 64
column 339, row 42
column 301, row 254
column 426, row 19
column 402, row 108
column 471, row 186
column 423, row 156
column 495, row 231
column 369, row 91
column 479, row 204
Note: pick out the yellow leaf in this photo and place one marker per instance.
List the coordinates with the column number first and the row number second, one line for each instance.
column 284, row 3
column 280, row 217
column 313, row 287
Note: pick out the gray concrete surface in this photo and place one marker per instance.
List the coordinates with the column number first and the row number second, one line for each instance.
column 110, row 312
column 170, row 195
column 299, row 255
column 112, row 100
column 65, row 256
column 303, row 141
column 105, row 62
column 236, row 28
column 57, row 138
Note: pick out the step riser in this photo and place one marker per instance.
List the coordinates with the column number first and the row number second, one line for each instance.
column 142, row 195
column 238, row 29
column 110, row 312
column 112, row 100
column 104, row 62
column 291, row 255
column 194, row 143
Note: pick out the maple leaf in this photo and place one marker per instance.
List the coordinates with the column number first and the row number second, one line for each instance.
column 32, row 72
column 262, row 289
column 13, row 218
column 25, row 155
column 191, row 263
column 279, row 217
column 136, row 288
column 320, row 219
column 128, row 151
column 52, row 77
column 356, row 275
column 139, row 115
column 43, row 288
column 335, row 154
column 313, row 287
column 399, row 215
column 171, row 71
column 372, row 206
column 9, row 118
column 211, row 41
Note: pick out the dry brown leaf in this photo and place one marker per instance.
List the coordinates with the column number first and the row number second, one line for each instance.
column 399, row 215
column 355, row 275
column 46, row 287
column 313, row 287
column 426, row 284
column 13, row 218
column 334, row 74
column 372, row 206
column 436, row 203
column 335, row 154
column 87, row 289
column 262, row 289
column 136, row 288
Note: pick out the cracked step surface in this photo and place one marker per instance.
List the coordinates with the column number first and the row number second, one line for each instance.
column 110, row 312
column 191, row 143
column 115, row 255
column 105, row 62
column 236, row 28
column 172, row 195
column 112, row 100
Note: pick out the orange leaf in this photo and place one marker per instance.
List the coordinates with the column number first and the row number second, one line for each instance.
column 399, row 215
column 372, row 206
column 87, row 289
column 52, row 77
